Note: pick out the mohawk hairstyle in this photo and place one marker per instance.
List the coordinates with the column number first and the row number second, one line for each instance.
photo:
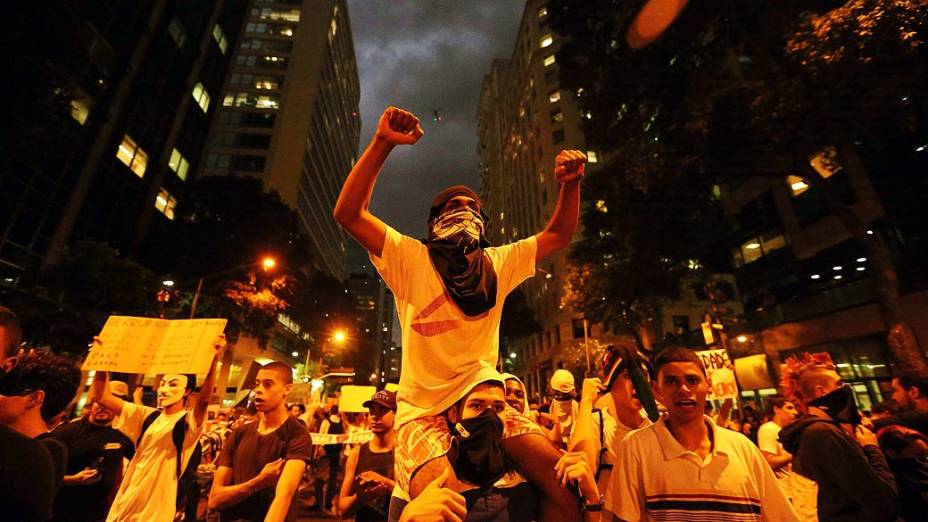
column 793, row 368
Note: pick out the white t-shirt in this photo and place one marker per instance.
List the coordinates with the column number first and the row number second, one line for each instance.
column 768, row 440
column 613, row 431
column 656, row 478
column 148, row 492
column 445, row 352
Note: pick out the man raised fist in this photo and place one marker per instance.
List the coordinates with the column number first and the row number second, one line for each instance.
column 399, row 127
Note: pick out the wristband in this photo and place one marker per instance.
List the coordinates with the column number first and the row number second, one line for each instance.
column 593, row 507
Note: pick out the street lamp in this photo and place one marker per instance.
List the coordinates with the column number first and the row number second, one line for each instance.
column 339, row 336
column 268, row 263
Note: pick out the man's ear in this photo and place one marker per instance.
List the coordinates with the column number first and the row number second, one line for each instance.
column 913, row 393
column 36, row 399
column 287, row 389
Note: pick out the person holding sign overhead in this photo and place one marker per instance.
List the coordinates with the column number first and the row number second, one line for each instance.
column 166, row 442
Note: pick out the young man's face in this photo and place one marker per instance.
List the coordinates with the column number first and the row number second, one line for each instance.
column 381, row 418
column 682, row 388
column 270, row 390
column 172, row 389
column 623, row 392
column 901, row 396
column 482, row 397
column 100, row 414
column 786, row 414
column 515, row 395
column 295, row 411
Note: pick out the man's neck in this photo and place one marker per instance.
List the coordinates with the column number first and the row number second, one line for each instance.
column 921, row 405
column 780, row 422
column 31, row 425
column 273, row 419
column 383, row 441
column 692, row 434
column 818, row 412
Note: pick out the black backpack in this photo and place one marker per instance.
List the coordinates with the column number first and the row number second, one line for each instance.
column 601, row 465
column 188, row 490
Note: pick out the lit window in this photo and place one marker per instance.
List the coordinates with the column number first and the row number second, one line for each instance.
column 132, row 155
column 220, row 38
column 266, row 84
column 179, row 164
column 267, row 102
column 758, row 247
column 165, row 203
column 549, row 60
column 591, row 157
column 825, row 162
column 557, row 117
column 177, row 32
column 601, row 206
column 80, row 107
column 772, row 241
column 554, row 97
column 542, row 12
column 546, row 41
column 285, row 31
column 201, row 96
column 797, row 185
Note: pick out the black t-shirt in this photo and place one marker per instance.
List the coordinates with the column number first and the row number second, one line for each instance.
column 90, row 446
column 246, row 451
column 27, row 478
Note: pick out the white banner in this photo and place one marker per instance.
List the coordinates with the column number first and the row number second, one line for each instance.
column 721, row 372
column 358, row 437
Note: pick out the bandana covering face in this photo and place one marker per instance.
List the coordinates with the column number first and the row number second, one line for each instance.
column 480, row 458
column 839, row 405
column 456, row 242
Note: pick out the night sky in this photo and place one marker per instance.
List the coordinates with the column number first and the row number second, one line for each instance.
column 422, row 56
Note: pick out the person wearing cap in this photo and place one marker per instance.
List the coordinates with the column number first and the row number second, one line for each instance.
column 262, row 462
column 95, row 459
column 564, row 406
column 449, row 291
column 368, row 481
column 603, row 429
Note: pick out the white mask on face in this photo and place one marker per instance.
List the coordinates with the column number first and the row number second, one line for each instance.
column 171, row 389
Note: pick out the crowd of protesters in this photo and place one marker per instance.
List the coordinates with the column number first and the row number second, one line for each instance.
column 458, row 440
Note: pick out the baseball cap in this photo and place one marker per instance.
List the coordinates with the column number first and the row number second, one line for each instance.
column 563, row 381
column 385, row 398
column 119, row 389
column 615, row 361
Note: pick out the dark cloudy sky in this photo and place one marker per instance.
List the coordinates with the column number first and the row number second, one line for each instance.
column 426, row 55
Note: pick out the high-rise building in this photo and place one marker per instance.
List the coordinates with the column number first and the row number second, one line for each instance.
column 806, row 282
column 524, row 120
column 289, row 113
column 105, row 121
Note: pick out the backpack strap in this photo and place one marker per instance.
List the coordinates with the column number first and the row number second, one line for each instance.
column 602, row 464
column 178, row 433
column 145, row 425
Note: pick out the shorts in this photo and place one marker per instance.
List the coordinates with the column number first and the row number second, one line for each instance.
column 428, row 438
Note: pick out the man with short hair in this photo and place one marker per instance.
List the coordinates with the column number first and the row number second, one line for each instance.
column 95, row 453
column 44, row 385
column 854, row 480
column 27, row 473
column 599, row 432
column 368, row 481
column 166, row 440
column 782, row 413
column 262, row 462
column 685, row 467
column 297, row 410
column 910, row 392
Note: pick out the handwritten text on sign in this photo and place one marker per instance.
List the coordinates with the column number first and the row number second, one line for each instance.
column 721, row 373
column 150, row 345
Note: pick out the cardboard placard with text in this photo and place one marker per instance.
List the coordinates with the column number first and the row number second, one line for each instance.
column 353, row 397
column 721, row 372
column 150, row 345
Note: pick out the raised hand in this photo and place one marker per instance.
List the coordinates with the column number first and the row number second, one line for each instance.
column 399, row 127
column 592, row 387
column 569, row 166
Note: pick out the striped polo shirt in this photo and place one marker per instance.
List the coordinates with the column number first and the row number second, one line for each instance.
column 657, row 479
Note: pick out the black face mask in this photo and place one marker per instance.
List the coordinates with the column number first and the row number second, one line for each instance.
column 480, row 458
column 839, row 405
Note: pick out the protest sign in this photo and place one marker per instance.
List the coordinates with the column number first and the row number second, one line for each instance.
column 149, row 345
column 721, row 372
column 352, row 397
column 358, row 437
column 752, row 373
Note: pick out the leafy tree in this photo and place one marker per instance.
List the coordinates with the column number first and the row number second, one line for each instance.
column 753, row 89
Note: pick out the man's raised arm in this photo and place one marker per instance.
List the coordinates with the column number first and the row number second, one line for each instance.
column 568, row 168
column 396, row 127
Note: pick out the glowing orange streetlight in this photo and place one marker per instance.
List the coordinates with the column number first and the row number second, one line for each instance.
column 268, row 263
column 339, row 336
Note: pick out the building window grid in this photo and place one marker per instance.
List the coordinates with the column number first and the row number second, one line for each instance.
column 179, row 164
column 201, row 96
column 132, row 155
column 220, row 37
column 165, row 203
